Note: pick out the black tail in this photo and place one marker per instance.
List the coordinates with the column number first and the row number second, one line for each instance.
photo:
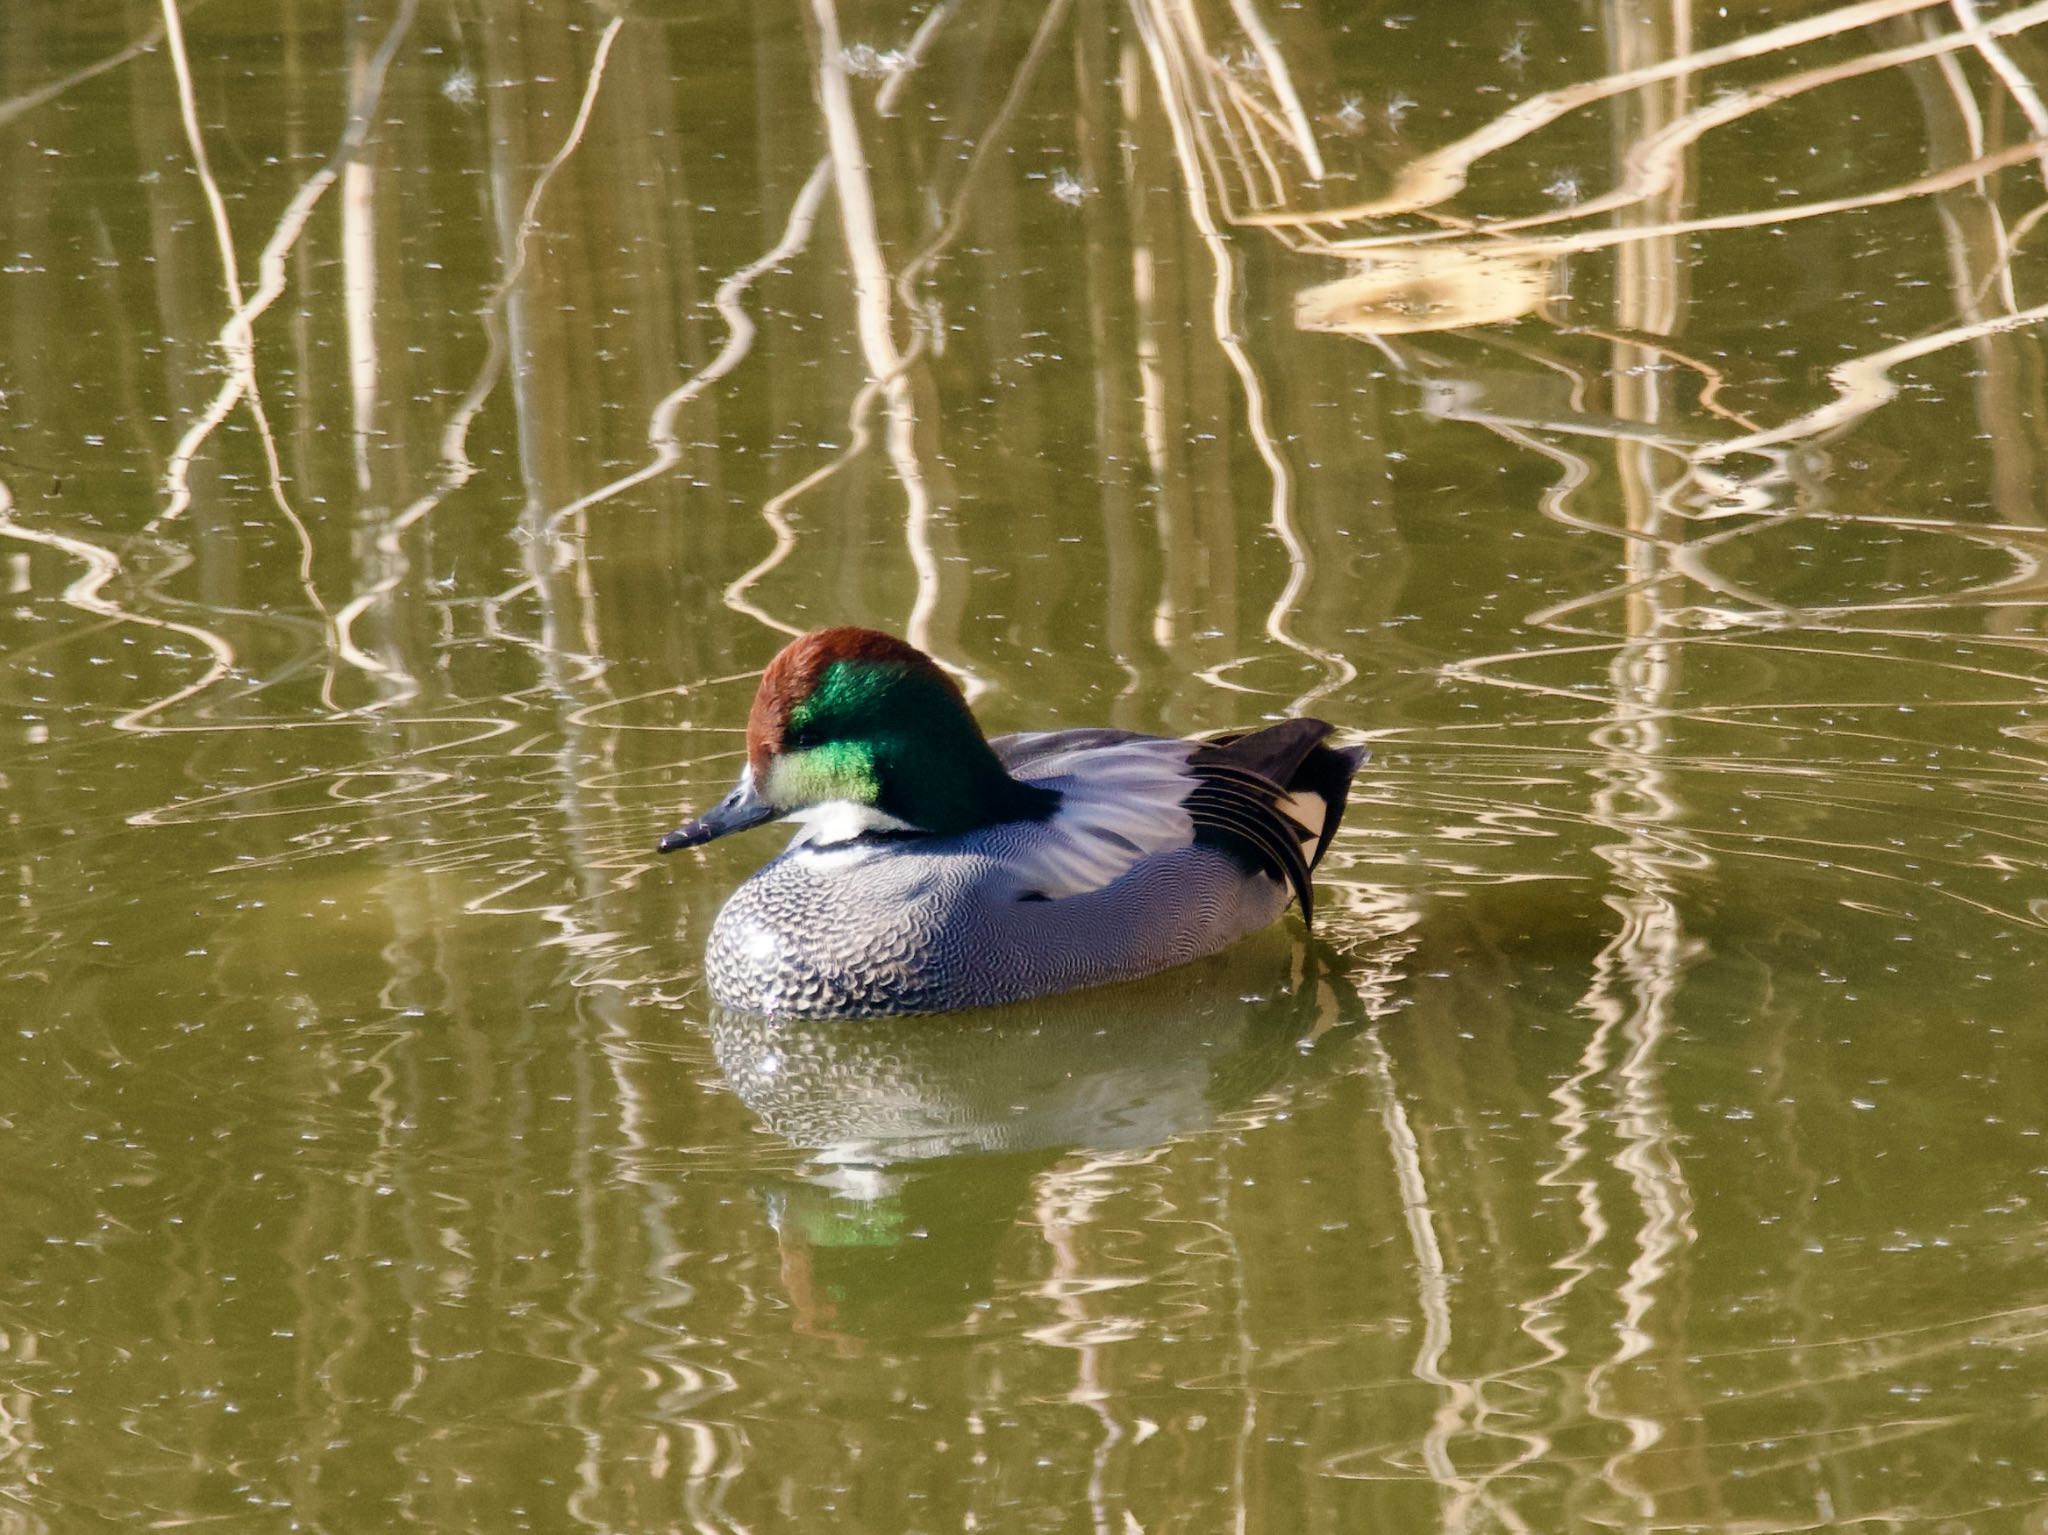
column 1327, row 771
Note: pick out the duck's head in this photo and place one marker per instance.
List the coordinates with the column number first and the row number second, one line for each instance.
column 853, row 731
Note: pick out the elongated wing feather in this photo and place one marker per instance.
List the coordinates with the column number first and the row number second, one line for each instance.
column 1120, row 800
column 1234, row 802
column 1273, row 795
column 1021, row 753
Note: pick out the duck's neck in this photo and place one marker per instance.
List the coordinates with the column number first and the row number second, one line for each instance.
column 944, row 778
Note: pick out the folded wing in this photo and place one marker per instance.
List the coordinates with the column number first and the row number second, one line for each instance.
column 1269, row 798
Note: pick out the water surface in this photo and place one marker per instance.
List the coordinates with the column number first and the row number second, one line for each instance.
column 419, row 422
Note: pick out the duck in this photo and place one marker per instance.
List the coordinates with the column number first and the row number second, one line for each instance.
column 936, row 869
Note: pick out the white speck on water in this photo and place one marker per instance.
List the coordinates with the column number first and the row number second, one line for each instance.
column 1565, row 187
column 864, row 62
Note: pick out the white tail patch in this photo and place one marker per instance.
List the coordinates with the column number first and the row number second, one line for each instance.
column 1306, row 809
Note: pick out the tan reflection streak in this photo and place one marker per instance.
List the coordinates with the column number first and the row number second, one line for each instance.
column 1337, row 670
column 1575, row 1117
column 881, row 384
column 1474, row 669
column 457, row 468
column 1633, row 993
column 1635, row 983
column 872, row 289
column 177, row 475
column 499, row 315
column 1456, row 401
column 1863, row 384
column 1654, row 161
column 1980, row 257
column 188, row 112
column 1760, row 218
column 1985, row 38
column 1062, row 1207
column 1148, row 353
column 2022, row 227
column 1229, row 105
column 1258, row 121
column 1223, row 106
column 16, row 106
column 1458, row 1401
column 1277, row 71
column 1970, row 293
column 507, row 312
column 913, row 56
column 1637, row 975
column 774, row 508
column 101, row 567
column 18, row 1433
column 238, row 336
column 740, row 328
column 1180, row 29
column 1712, row 379
column 1477, row 1501
column 359, row 308
column 739, row 340
column 1442, row 174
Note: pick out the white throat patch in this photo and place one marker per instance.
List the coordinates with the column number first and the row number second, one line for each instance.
column 840, row 820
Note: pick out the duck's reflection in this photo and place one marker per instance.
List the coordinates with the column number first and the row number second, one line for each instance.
column 925, row 1134
column 925, row 1137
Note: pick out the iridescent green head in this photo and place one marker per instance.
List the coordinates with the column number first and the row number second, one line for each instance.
column 857, row 718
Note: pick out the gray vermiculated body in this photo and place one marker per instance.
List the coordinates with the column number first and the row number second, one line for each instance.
column 935, row 925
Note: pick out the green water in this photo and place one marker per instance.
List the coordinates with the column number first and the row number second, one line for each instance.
column 419, row 424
